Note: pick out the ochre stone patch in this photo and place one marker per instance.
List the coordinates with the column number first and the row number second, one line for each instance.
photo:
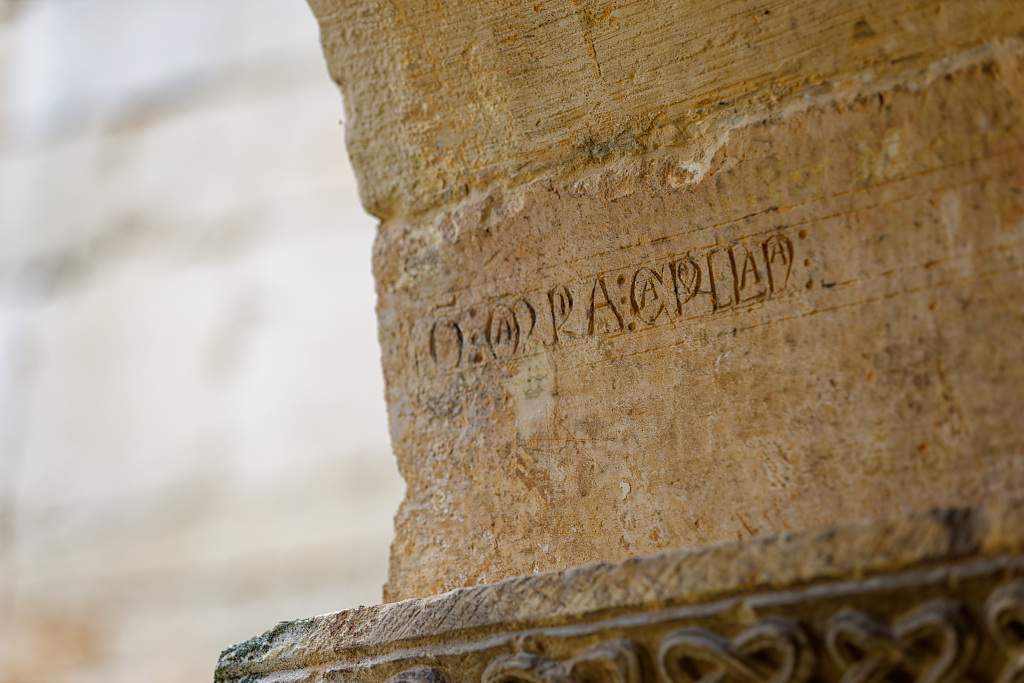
column 657, row 275
column 824, row 326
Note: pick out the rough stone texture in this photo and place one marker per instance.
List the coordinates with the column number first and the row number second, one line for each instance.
column 193, row 441
column 447, row 98
column 922, row 598
column 653, row 276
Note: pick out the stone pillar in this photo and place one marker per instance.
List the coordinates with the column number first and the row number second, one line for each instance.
column 660, row 275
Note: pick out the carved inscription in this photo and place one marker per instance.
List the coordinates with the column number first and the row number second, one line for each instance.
column 647, row 295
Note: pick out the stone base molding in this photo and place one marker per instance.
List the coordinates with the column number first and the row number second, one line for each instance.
column 927, row 598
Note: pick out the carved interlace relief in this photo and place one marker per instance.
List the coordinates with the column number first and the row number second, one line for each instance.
column 946, row 639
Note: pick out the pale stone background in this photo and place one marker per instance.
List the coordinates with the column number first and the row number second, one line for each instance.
column 193, row 442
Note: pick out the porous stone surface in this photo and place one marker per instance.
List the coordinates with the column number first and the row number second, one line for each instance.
column 653, row 277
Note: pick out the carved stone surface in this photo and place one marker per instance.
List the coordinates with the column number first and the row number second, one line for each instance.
column 658, row 275
column 930, row 598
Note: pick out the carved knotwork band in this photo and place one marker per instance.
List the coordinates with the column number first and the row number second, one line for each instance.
column 937, row 641
column 773, row 650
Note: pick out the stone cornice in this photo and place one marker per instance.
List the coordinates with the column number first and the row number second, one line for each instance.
column 930, row 597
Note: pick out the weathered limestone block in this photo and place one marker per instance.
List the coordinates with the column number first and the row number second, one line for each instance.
column 936, row 597
column 665, row 274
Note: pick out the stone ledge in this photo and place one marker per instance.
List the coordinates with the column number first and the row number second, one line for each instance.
column 930, row 597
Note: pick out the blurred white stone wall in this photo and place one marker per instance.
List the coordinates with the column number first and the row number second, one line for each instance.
column 193, row 442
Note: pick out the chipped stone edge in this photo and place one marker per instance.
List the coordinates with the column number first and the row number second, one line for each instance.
column 692, row 155
column 676, row 165
column 853, row 551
